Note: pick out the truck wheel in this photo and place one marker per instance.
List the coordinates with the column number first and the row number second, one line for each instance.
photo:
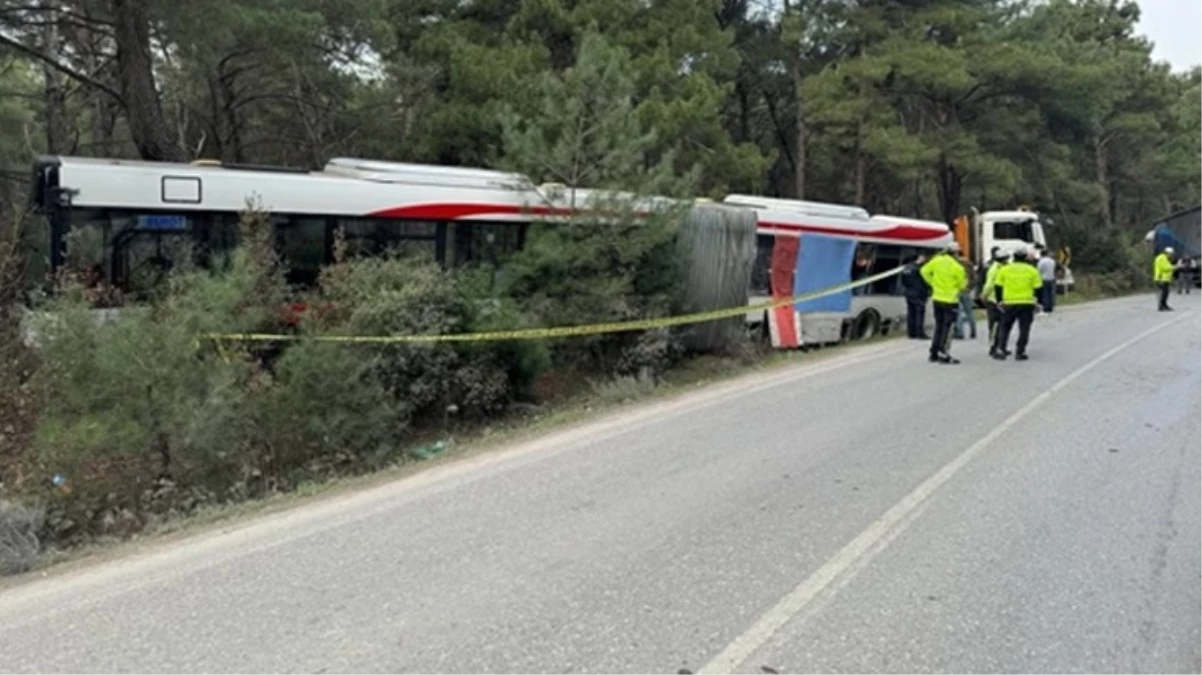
column 866, row 326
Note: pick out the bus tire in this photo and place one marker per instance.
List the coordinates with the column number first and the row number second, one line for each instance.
column 866, row 326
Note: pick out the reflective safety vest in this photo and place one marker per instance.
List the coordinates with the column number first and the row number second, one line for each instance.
column 989, row 290
column 946, row 277
column 1019, row 281
column 1162, row 269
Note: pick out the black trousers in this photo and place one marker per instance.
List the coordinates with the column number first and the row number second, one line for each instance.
column 916, row 316
column 1163, row 288
column 1025, row 316
column 945, row 318
column 994, row 316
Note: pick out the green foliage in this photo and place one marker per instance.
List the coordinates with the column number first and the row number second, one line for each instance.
column 615, row 258
column 19, row 542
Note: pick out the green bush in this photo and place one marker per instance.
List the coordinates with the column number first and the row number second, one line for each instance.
column 19, row 399
column 394, row 296
column 598, row 271
column 131, row 399
column 321, row 404
column 19, row 542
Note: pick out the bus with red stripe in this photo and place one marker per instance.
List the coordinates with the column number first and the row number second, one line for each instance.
column 877, row 244
column 129, row 220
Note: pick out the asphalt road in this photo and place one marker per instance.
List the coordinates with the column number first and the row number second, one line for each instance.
column 867, row 512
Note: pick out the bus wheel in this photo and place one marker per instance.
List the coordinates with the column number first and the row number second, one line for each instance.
column 866, row 326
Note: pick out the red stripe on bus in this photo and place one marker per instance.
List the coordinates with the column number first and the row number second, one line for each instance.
column 457, row 210
column 461, row 210
column 898, row 232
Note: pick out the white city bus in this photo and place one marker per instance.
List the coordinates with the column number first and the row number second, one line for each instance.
column 129, row 220
column 120, row 217
column 882, row 244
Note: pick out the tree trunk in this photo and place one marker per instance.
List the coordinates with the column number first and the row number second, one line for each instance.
column 861, row 169
column 744, row 112
column 801, row 133
column 799, row 148
column 950, row 182
column 1103, row 176
column 55, row 91
column 135, row 77
column 104, row 113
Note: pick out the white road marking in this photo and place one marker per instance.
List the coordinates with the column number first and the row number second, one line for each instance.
column 853, row 557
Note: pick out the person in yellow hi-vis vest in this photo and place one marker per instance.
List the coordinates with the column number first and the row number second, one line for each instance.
column 1162, row 274
column 991, row 295
column 1019, row 282
column 946, row 277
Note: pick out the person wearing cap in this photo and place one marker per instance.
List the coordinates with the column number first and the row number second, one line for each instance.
column 946, row 277
column 992, row 298
column 1019, row 282
column 1162, row 274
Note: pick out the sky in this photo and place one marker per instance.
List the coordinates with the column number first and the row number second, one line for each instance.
column 1175, row 26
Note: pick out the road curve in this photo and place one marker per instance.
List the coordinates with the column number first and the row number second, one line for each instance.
column 868, row 512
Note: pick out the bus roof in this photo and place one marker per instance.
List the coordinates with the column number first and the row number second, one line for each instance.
column 353, row 187
column 347, row 188
column 798, row 206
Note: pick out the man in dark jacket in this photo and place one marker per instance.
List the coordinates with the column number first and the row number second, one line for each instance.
column 916, row 292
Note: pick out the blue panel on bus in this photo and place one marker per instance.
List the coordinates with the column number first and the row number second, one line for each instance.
column 163, row 222
column 822, row 262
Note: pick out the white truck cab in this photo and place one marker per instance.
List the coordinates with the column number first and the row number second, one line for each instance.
column 1009, row 231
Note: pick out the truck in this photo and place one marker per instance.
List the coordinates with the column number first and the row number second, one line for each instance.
column 1180, row 231
column 978, row 233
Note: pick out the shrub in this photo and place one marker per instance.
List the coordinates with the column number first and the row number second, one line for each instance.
column 402, row 296
column 592, row 271
column 130, row 400
column 19, row 399
column 321, row 403
column 136, row 401
column 19, row 544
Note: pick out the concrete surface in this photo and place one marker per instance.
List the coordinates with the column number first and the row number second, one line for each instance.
column 871, row 512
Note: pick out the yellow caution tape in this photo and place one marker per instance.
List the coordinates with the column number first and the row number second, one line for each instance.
column 558, row 331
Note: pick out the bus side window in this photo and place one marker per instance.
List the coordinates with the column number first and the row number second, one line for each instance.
column 887, row 258
column 861, row 265
column 761, row 270
column 489, row 243
column 301, row 242
column 376, row 236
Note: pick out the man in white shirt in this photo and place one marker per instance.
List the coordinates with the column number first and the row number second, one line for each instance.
column 1047, row 274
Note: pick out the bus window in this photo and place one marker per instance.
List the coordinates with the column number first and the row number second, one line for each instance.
column 301, row 243
column 489, row 243
column 88, row 240
column 761, row 269
column 887, row 258
column 375, row 236
column 493, row 242
column 861, row 265
column 147, row 258
column 216, row 236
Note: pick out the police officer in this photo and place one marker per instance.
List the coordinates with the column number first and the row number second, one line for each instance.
column 916, row 292
column 1019, row 282
column 991, row 296
column 946, row 277
column 1162, row 274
